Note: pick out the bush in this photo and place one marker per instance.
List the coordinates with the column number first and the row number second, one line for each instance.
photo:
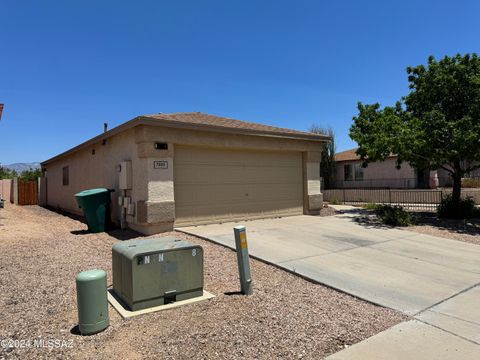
column 394, row 215
column 471, row 183
column 372, row 206
column 464, row 209
column 334, row 201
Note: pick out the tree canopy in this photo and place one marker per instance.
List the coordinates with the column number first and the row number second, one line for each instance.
column 26, row 175
column 437, row 125
column 6, row 173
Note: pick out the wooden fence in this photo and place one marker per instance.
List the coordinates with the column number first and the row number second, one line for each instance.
column 27, row 193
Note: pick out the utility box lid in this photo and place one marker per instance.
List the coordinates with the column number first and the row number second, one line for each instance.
column 131, row 248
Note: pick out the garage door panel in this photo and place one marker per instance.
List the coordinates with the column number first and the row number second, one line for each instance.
column 214, row 174
column 213, row 185
column 197, row 215
column 226, row 194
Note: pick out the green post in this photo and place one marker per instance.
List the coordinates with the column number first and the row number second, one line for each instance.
column 241, row 245
column 92, row 301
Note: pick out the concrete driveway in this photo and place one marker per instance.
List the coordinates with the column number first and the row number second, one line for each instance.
column 436, row 280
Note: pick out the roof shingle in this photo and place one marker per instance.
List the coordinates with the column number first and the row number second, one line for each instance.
column 213, row 121
column 351, row 155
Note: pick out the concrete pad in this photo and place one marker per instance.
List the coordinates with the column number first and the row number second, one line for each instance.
column 125, row 313
column 411, row 340
column 397, row 282
column 459, row 315
column 435, row 279
column 444, row 253
column 399, row 269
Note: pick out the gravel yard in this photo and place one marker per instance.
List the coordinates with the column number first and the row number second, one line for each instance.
column 462, row 230
column 428, row 223
column 42, row 251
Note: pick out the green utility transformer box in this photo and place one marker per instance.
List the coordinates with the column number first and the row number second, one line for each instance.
column 152, row 272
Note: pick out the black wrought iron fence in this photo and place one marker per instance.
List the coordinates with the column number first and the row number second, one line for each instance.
column 416, row 200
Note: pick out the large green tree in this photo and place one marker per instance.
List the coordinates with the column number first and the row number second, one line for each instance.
column 437, row 125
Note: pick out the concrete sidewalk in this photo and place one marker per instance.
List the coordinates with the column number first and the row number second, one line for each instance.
column 433, row 279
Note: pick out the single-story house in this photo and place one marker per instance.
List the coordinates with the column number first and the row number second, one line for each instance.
column 171, row 170
column 351, row 174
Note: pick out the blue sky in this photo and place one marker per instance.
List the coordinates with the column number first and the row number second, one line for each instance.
column 66, row 67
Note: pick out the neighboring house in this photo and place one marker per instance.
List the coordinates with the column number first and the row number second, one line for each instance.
column 385, row 174
column 351, row 174
column 191, row 168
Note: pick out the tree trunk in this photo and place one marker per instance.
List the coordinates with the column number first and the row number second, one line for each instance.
column 457, row 187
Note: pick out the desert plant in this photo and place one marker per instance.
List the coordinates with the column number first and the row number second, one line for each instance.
column 464, row 209
column 335, row 201
column 394, row 215
column 372, row 206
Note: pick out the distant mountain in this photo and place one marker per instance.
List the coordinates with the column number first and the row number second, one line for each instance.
column 19, row 167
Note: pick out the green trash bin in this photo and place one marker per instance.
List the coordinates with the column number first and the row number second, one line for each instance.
column 95, row 204
column 92, row 303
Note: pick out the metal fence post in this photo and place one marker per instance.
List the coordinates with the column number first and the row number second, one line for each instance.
column 241, row 245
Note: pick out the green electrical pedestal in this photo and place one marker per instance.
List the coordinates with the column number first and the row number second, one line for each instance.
column 92, row 301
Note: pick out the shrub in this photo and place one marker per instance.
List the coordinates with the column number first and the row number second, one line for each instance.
column 464, row 209
column 335, row 201
column 471, row 183
column 394, row 215
column 372, row 206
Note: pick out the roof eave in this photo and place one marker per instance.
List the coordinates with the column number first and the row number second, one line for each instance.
column 207, row 127
column 150, row 121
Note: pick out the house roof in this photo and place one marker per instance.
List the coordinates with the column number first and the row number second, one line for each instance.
column 351, row 155
column 347, row 155
column 200, row 121
column 212, row 122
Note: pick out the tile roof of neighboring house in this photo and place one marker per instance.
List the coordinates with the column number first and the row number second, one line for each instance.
column 347, row 155
column 350, row 155
column 218, row 122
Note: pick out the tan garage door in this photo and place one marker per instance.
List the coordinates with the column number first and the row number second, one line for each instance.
column 213, row 185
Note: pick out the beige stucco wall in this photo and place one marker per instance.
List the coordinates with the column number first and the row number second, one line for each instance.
column 149, row 134
column 379, row 174
column 88, row 171
column 313, row 198
column 6, row 189
column 146, row 136
column 153, row 189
